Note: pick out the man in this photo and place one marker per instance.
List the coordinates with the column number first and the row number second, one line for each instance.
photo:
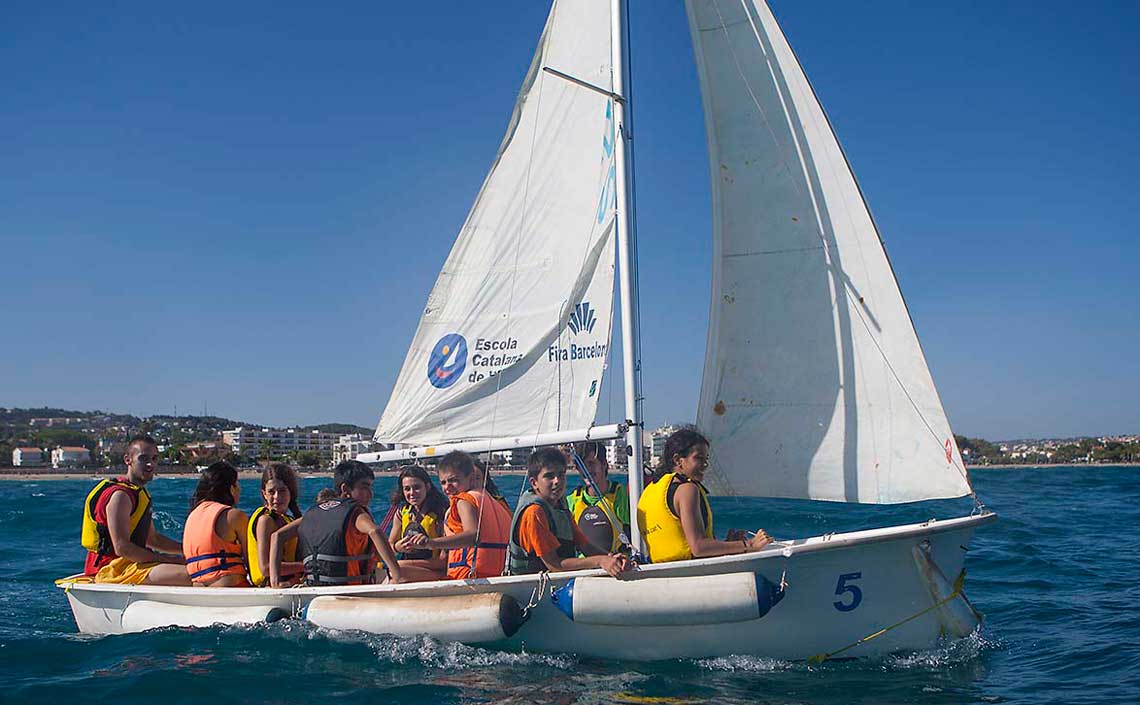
column 118, row 531
column 543, row 534
column 602, row 519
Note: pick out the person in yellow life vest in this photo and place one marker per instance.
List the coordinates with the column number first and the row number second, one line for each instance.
column 279, row 507
column 477, row 526
column 604, row 519
column 543, row 536
column 674, row 511
column 118, row 533
column 214, row 538
column 420, row 509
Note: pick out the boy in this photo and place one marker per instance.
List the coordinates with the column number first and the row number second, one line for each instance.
column 337, row 538
column 543, row 534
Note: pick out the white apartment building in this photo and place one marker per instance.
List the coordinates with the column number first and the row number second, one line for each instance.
column 348, row 446
column 657, row 446
column 27, row 457
column 69, row 456
column 248, row 442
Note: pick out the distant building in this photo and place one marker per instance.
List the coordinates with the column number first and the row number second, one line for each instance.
column 250, row 442
column 195, row 453
column 616, row 454
column 657, row 445
column 350, row 445
column 28, row 457
column 70, row 456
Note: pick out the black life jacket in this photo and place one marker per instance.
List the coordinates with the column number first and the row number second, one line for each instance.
column 561, row 523
column 323, row 546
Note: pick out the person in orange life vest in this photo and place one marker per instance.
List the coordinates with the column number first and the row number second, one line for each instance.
column 536, row 545
column 419, row 508
column 683, row 498
column 214, row 538
column 477, row 527
column 132, row 554
column 279, row 494
column 352, row 481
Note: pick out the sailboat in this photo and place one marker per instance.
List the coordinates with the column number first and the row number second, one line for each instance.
column 814, row 384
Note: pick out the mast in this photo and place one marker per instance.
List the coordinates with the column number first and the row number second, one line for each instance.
column 627, row 264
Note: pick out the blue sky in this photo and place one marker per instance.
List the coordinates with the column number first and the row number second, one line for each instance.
column 246, row 205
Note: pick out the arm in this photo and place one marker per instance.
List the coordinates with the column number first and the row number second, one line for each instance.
column 614, row 563
column 688, row 501
column 365, row 525
column 276, row 541
column 238, row 523
column 119, row 527
column 397, row 529
column 535, row 536
column 464, row 539
column 161, row 543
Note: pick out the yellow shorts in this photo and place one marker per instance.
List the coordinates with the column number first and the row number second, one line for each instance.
column 124, row 571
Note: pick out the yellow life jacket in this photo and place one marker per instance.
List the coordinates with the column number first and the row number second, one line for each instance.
column 664, row 535
column 95, row 536
column 431, row 528
column 288, row 551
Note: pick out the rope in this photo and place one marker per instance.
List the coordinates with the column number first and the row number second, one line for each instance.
column 537, row 593
column 958, row 583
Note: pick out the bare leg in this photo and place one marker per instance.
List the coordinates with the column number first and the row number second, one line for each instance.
column 419, row 571
column 167, row 574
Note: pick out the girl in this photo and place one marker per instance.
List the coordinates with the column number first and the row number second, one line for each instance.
column 279, row 497
column 422, row 509
column 675, row 508
column 478, row 528
column 214, row 539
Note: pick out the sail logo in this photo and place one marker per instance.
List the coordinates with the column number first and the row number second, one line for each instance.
column 582, row 318
column 447, row 361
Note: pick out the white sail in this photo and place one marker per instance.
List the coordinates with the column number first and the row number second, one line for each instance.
column 814, row 382
column 516, row 331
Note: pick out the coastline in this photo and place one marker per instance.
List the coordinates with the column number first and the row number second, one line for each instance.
column 40, row 475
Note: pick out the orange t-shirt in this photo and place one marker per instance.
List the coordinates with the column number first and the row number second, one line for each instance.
column 536, row 536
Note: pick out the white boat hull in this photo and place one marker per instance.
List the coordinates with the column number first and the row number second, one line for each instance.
column 840, row 589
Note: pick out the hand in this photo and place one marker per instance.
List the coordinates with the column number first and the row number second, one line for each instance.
column 404, row 545
column 615, row 564
column 760, row 540
column 412, row 541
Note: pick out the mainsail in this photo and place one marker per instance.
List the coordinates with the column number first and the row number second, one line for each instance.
column 516, row 332
column 814, row 383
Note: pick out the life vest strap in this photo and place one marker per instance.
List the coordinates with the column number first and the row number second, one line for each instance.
column 482, row 544
column 328, row 558
column 223, row 555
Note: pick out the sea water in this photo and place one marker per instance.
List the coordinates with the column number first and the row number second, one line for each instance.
column 1058, row 578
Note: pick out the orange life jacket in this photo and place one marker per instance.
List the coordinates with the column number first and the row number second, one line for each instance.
column 489, row 555
column 208, row 557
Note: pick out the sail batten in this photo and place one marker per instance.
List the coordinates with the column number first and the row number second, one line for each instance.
column 814, row 383
column 516, row 331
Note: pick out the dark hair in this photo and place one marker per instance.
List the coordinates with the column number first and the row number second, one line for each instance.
column 458, row 461
column 585, row 449
column 325, row 495
column 434, row 503
column 680, row 442
column 544, row 458
column 286, row 474
column 350, row 472
column 141, row 438
column 215, row 485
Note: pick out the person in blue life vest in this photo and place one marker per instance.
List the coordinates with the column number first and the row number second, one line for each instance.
column 603, row 519
column 674, row 511
column 118, row 531
column 337, row 539
column 543, row 534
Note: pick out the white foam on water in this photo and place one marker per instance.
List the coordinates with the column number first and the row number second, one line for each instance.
column 948, row 653
column 747, row 664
